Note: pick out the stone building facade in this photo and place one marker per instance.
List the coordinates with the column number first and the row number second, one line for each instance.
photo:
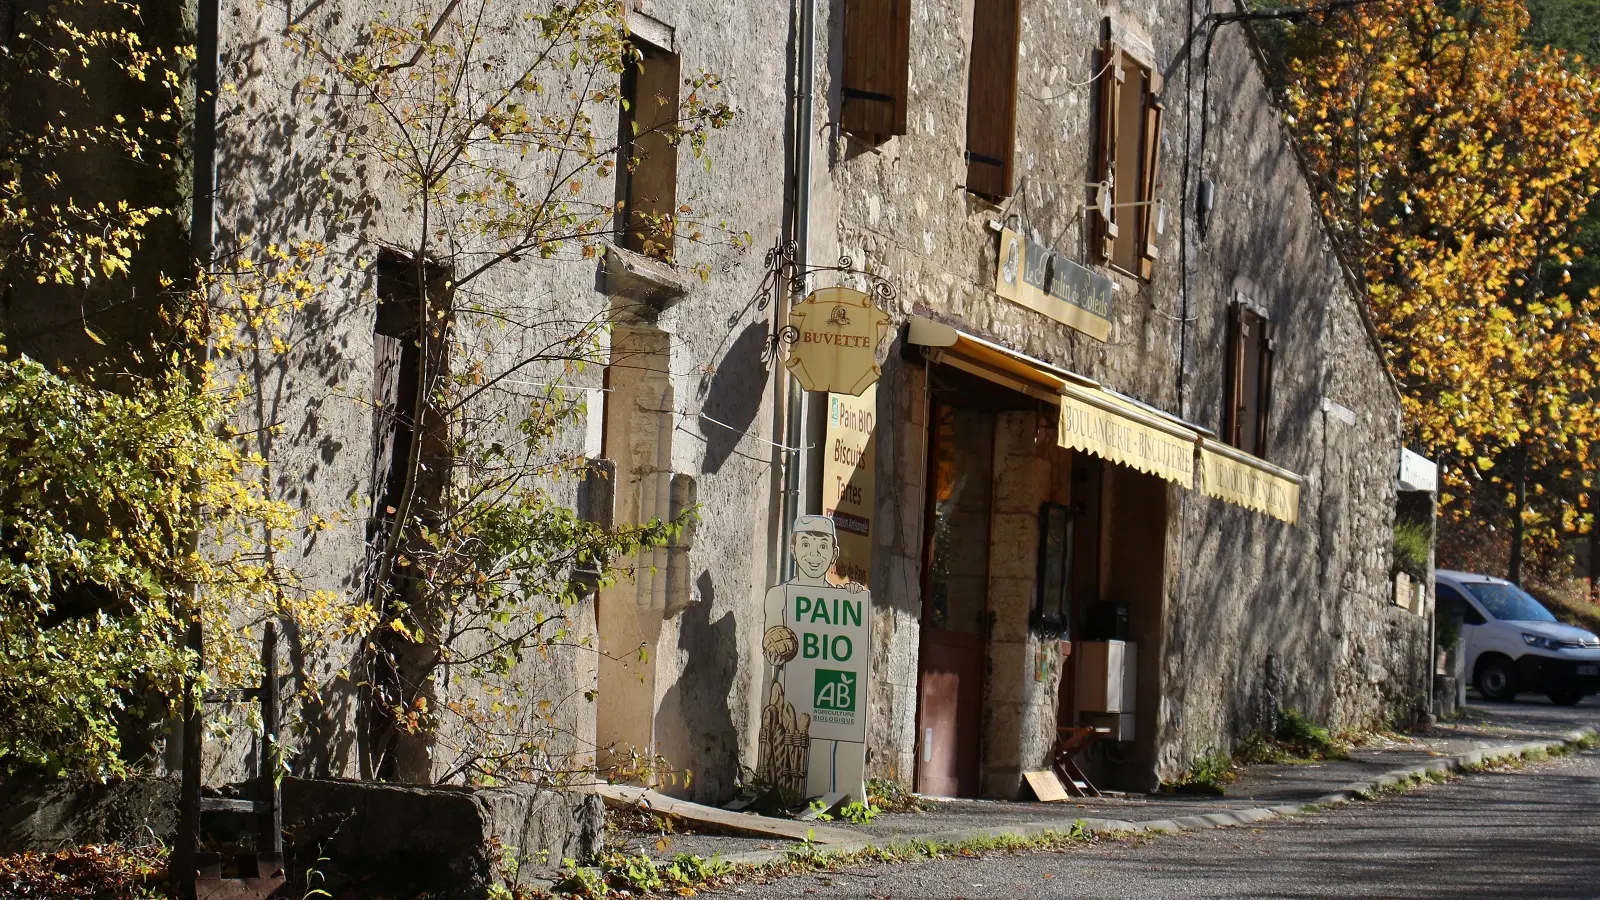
column 1234, row 613
column 1216, row 320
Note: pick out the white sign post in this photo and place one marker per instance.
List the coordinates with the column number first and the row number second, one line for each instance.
column 817, row 642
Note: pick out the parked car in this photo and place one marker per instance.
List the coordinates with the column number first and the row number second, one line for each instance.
column 1512, row 644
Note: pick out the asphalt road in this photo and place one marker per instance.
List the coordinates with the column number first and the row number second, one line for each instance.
column 1525, row 834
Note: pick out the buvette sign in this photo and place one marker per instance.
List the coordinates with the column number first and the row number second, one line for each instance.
column 836, row 345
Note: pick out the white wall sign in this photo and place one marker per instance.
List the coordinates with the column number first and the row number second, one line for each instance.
column 847, row 480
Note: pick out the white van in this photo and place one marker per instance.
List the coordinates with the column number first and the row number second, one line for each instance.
column 1514, row 645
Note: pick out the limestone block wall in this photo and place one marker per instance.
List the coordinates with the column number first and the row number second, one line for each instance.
column 1239, row 587
column 1019, row 706
column 718, row 428
column 897, row 547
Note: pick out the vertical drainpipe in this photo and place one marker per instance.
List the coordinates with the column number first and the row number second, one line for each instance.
column 201, row 225
column 794, row 418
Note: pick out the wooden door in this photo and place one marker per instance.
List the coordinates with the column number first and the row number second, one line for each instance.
column 955, row 602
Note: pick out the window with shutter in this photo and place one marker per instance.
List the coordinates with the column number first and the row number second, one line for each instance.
column 877, row 65
column 1247, row 389
column 647, row 158
column 992, row 97
column 1129, row 160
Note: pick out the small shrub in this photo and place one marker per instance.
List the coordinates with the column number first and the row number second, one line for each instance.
column 688, row 870
column 857, row 813
column 1412, row 542
column 768, row 798
column 1209, row 775
column 89, row 872
column 1296, row 740
column 631, row 873
column 1309, row 739
column 577, row 881
column 892, row 796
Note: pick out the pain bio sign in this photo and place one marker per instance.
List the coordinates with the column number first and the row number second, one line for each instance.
column 816, row 641
column 829, row 670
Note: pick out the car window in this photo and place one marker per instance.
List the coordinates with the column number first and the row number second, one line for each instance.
column 1507, row 602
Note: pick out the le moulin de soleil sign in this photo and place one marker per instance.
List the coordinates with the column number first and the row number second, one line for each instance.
column 816, row 642
column 1048, row 283
column 836, row 344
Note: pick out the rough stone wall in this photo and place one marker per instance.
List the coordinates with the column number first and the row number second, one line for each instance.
column 273, row 150
column 902, row 449
column 1239, row 585
column 1019, row 707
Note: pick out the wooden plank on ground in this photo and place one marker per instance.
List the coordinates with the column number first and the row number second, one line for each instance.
column 1046, row 786
column 624, row 796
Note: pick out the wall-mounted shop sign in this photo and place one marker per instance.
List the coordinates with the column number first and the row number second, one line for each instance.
column 1230, row 475
column 837, row 332
column 1048, row 283
column 847, row 480
column 817, row 641
column 1095, row 421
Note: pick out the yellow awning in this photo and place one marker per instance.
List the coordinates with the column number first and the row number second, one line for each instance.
column 1093, row 419
column 1096, row 421
column 1237, row 477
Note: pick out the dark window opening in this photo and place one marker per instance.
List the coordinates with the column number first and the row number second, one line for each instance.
column 647, row 152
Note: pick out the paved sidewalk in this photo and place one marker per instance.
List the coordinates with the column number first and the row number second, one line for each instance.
column 1282, row 789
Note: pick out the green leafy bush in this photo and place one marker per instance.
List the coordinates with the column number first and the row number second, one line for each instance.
column 1209, row 775
column 103, row 498
column 892, row 796
column 1412, row 543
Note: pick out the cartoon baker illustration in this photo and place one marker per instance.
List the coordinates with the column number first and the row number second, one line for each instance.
column 816, row 643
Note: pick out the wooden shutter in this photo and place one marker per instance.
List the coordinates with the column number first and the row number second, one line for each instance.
column 877, row 63
column 1233, row 383
column 992, row 97
column 1111, row 82
column 1269, row 347
column 1154, row 107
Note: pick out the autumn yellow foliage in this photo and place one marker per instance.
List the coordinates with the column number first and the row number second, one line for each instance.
column 1453, row 163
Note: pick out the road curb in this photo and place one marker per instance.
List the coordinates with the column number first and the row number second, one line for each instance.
column 1234, row 818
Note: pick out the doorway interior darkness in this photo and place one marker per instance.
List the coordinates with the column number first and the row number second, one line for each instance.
column 955, row 607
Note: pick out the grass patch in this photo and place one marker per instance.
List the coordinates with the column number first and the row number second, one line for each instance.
column 1296, row 740
column 685, row 875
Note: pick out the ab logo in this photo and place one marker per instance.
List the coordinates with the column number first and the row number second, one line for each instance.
column 835, row 690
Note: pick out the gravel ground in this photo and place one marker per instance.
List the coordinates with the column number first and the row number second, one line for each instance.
column 1262, row 785
column 1526, row 834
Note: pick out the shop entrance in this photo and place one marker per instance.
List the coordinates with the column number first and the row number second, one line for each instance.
column 955, row 600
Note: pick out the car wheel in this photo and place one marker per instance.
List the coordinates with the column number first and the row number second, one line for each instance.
column 1496, row 681
column 1565, row 698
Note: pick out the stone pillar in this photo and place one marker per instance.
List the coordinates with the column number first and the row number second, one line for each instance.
column 1019, row 707
column 630, row 613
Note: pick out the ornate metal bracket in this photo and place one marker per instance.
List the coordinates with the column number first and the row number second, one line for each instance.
column 783, row 271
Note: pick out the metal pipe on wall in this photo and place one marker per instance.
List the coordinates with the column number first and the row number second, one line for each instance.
column 795, row 431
